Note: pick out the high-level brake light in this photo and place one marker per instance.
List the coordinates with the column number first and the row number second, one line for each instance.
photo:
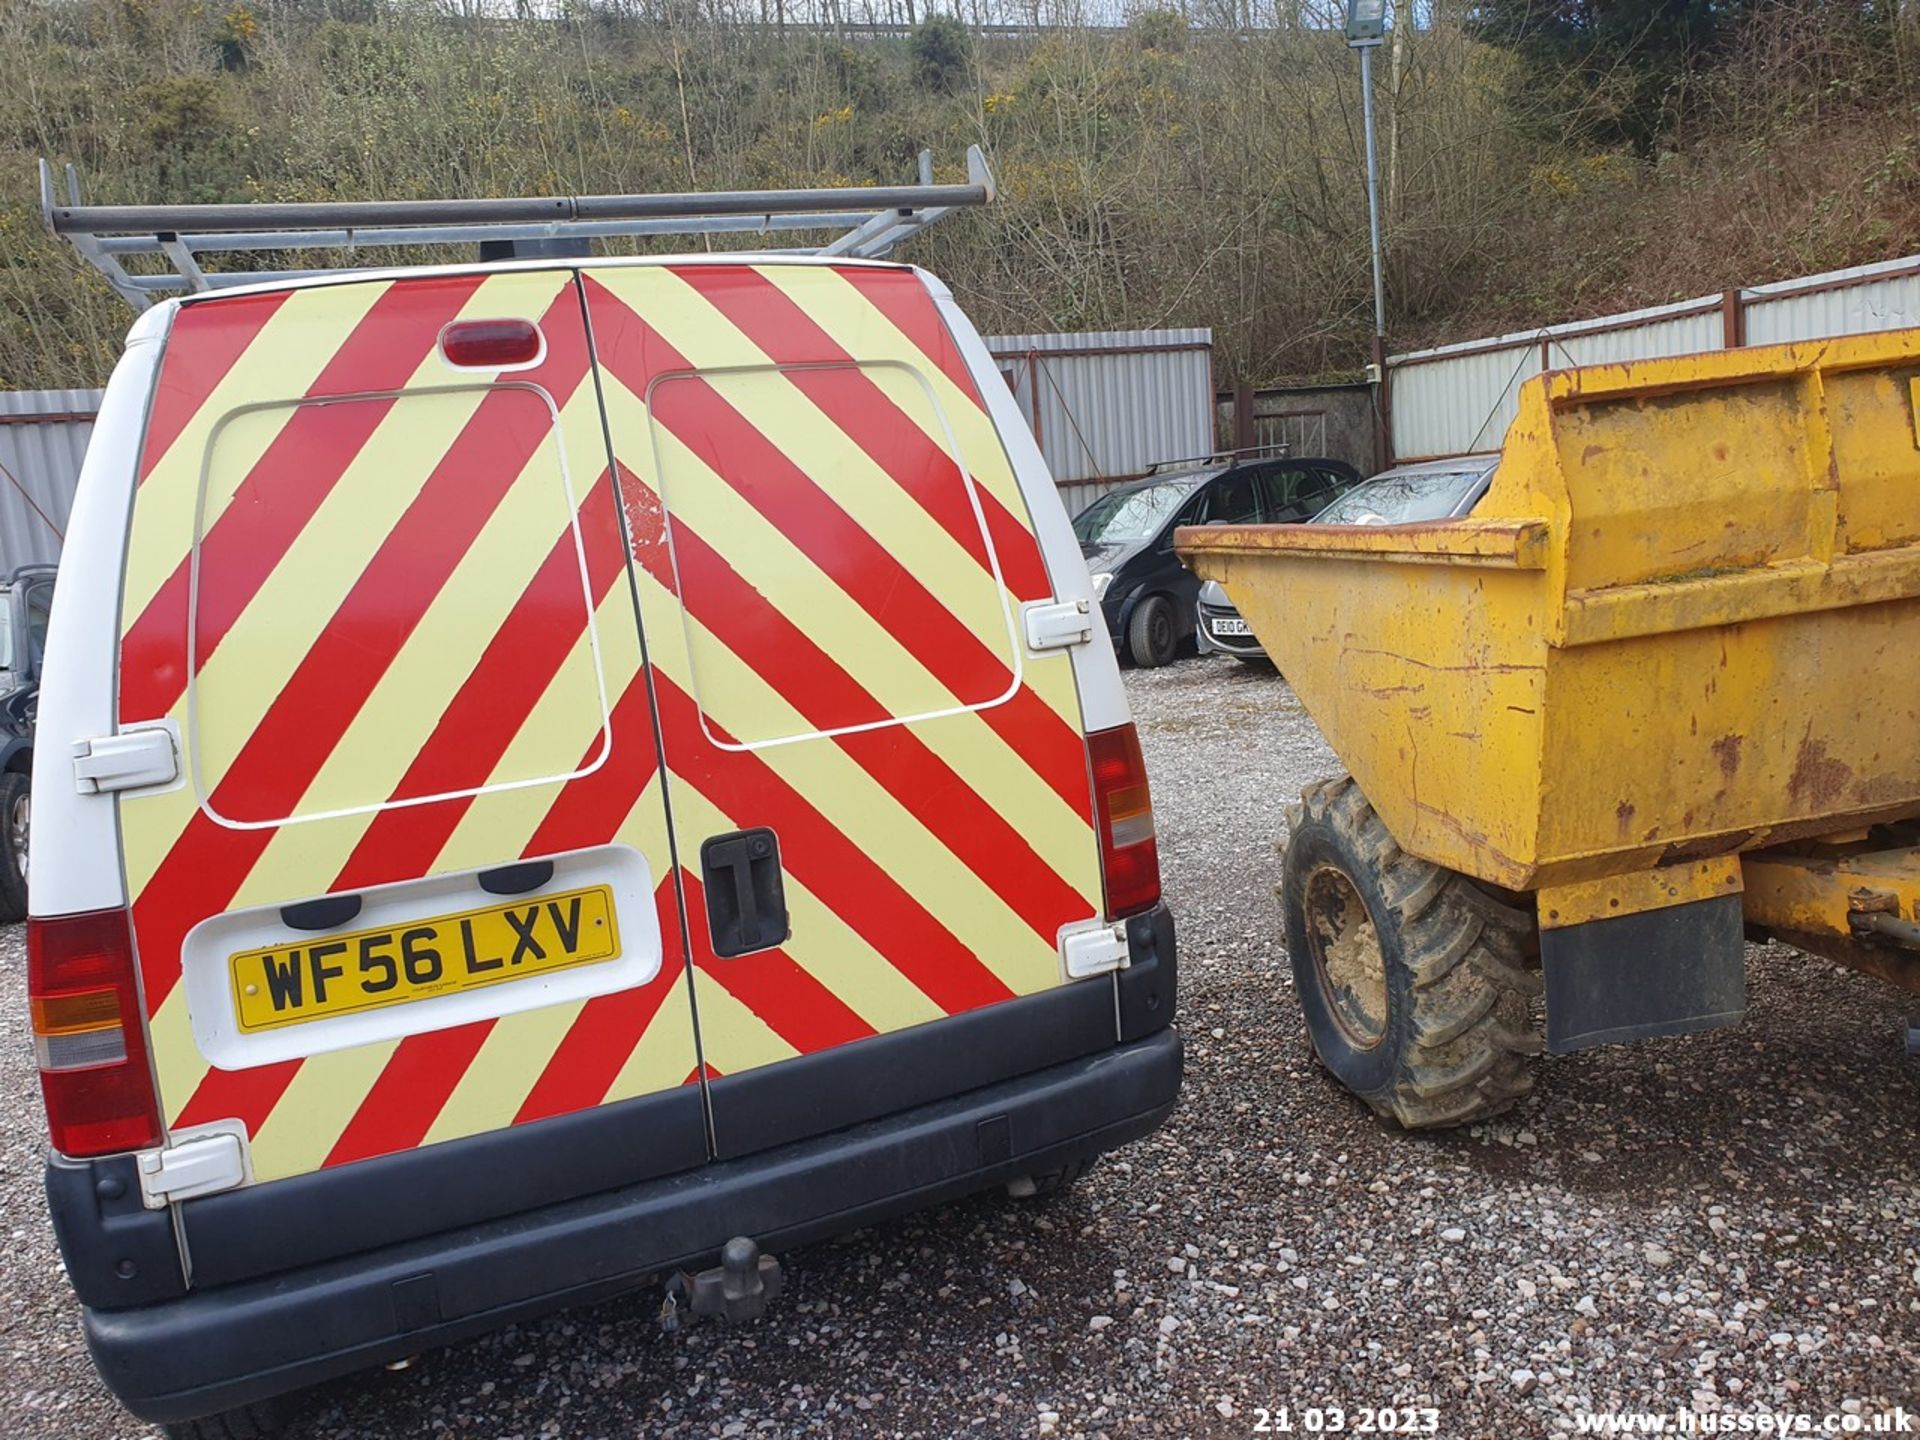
column 491, row 344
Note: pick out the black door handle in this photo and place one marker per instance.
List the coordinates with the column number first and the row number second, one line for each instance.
column 746, row 898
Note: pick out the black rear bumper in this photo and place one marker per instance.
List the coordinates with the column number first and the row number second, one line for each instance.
column 214, row 1349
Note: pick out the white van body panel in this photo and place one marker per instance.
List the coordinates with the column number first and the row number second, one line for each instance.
column 76, row 838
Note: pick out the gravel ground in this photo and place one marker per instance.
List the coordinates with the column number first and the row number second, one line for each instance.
column 1728, row 1220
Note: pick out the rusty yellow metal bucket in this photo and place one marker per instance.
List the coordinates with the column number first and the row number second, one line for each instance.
column 1683, row 624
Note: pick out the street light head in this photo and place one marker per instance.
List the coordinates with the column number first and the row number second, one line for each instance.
column 1366, row 21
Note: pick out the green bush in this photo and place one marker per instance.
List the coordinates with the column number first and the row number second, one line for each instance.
column 941, row 54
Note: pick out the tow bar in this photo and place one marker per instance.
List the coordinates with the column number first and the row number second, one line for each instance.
column 738, row 1288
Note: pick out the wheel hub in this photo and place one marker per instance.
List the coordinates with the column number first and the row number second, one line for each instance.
column 1347, row 955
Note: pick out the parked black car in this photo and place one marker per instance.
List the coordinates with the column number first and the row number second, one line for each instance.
column 26, row 596
column 1127, row 535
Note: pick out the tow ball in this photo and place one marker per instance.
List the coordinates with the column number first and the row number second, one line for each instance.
column 738, row 1288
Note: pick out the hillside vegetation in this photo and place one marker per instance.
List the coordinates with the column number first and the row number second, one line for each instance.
column 1545, row 159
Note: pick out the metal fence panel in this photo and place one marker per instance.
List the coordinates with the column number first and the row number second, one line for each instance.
column 1681, row 335
column 1847, row 302
column 1457, row 398
column 43, row 438
column 1105, row 405
column 1461, row 403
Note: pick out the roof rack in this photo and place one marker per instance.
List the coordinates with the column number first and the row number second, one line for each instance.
column 1225, row 457
column 871, row 219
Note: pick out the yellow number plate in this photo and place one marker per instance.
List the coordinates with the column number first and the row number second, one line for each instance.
column 369, row 969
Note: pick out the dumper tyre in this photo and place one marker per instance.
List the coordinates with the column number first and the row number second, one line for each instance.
column 1151, row 637
column 1414, row 982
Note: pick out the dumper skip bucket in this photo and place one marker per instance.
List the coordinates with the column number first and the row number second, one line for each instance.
column 1682, row 623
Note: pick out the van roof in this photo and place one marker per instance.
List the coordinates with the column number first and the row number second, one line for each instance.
column 550, row 262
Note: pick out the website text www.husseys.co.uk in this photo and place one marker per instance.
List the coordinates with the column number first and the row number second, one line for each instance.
column 1896, row 1421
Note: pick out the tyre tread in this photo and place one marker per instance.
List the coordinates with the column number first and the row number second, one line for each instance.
column 1473, row 1027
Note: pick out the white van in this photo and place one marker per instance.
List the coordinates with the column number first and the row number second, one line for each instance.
column 550, row 768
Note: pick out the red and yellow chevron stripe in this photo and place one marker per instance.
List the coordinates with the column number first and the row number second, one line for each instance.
column 384, row 601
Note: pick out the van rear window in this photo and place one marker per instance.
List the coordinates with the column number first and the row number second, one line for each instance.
column 875, row 546
column 355, row 560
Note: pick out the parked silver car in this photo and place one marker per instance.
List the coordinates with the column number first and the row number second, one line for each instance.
column 1404, row 495
column 1218, row 628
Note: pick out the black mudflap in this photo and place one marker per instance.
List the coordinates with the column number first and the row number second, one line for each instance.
column 1632, row 977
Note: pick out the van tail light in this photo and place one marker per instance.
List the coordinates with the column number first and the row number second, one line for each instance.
column 491, row 344
column 1129, row 854
column 88, row 1036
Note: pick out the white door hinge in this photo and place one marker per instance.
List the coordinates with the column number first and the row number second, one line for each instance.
column 203, row 1161
column 1094, row 947
column 1056, row 624
column 131, row 760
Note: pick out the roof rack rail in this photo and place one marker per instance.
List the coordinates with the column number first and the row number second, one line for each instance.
column 871, row 219
column 1227, row 457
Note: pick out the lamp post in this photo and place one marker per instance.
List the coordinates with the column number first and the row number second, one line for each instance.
column 1366, row 28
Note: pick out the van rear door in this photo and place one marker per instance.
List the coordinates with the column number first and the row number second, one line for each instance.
column 415, row 883
column 879, row 795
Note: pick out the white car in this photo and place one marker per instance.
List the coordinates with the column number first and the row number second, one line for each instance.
column 1404, row 495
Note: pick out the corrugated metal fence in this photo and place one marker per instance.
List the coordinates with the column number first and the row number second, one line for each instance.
column 43, row 437
column 1105, row 405
column 1455, row 399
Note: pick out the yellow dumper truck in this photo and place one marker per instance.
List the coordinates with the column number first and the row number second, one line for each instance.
column 1653, row 696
